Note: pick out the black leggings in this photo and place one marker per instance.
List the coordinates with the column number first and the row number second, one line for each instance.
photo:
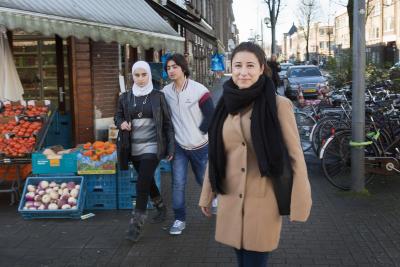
column 146, row 184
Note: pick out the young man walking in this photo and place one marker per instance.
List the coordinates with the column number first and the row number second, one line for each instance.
column 191, row 110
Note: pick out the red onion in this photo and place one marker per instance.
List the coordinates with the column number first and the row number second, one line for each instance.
column 30, row 196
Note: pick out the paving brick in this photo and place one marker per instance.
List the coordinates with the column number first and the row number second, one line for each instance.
column 341, row 231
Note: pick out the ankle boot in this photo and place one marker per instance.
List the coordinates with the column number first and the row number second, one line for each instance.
column 136, row 225
column 161, row 211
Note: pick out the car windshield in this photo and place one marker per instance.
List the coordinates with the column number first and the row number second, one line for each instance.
column 304, row 72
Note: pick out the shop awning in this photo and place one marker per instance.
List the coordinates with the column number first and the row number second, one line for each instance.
column 10, row 84
column 172, row 13
column 131, row 22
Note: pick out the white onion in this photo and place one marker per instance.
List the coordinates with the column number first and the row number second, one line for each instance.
column 37, row 204
column 53, row 206
column 65, row 191
column 32, row 208
column 29, row 204
column 52, row 184
column 60, row 191
column 74, row 193
column 46, row 198
column 49, row 190
column 38, row 198
column 54, row 195
column 31, row 188
column 44, row 184
column 78, row 186
column 56, row 188
column 72, row 201
column 42, row 207
column 41, row 192
column 30, row 196
column 63, row 185
column 65, row 207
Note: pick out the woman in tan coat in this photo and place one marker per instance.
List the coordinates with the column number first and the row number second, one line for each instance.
column 256, row 164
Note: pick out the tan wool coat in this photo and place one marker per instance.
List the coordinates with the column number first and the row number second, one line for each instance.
column 247, row 215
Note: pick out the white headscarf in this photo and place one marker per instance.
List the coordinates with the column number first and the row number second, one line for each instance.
column 145, row 90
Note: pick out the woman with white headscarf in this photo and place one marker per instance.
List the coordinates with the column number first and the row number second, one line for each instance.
column 146, row 136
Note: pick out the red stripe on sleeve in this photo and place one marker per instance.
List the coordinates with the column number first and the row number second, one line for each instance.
column 204, row 98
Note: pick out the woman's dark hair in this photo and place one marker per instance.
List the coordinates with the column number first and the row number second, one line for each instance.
column 180, row 60
column 257, row 51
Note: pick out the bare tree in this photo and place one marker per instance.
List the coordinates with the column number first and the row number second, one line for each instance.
column 307, row 14
column 274, row 7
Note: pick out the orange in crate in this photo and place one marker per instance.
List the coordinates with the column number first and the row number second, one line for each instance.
column 9, row 172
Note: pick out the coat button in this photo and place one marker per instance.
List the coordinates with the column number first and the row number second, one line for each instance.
column 243, row 144
column 240, row 195
column 243, row 169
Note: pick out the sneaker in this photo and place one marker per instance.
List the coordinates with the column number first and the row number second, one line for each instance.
column 177, row 227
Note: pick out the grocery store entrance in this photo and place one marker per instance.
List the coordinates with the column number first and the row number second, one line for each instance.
column 42, row 65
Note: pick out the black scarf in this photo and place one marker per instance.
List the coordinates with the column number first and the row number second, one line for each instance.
column 265, row 129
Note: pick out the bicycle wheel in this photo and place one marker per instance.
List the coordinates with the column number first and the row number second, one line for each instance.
column 336, row 160
column 304, row 125
column 314, row 137
column 326, row 129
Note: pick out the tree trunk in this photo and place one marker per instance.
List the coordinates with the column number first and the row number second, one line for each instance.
column 273, row 25
column 350, row 9
column 273, row 38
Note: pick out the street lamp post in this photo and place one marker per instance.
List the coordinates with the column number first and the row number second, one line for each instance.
column 358, row 99
column 267, row 22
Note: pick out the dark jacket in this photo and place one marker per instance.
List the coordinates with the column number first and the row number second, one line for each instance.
column 162, row 118
column 275, row 68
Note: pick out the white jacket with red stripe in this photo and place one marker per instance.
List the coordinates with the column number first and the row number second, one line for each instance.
column 186, row 113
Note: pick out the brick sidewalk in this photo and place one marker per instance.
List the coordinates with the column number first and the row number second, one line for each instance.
column 342, row 231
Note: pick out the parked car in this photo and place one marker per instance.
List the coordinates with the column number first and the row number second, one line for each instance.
column 395, row 66
column 284, row 68
column 309, row 78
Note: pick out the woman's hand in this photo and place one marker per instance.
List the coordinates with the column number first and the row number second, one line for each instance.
column 206, row 211
column 169, row 158
column 126, row 126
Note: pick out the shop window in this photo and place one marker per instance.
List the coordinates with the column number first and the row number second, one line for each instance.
column 36, row 62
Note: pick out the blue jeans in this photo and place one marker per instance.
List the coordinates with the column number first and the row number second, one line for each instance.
column 247, row 258
column 198, row 160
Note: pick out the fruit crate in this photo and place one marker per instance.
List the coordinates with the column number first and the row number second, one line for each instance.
column 42, row 165
column 101, row 192
column 127, row 188
column 101, row 201
column 101, row 183
column 50, row 214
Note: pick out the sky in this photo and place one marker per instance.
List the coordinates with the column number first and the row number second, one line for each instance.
column 249, row 14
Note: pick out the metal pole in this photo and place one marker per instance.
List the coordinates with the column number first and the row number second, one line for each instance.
column 358, row 98
column 273, row 29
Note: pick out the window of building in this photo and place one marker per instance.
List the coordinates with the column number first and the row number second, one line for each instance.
column 388, row 2
column 389, row 24
column 377, row 8
column 321, row 31
column 37, row 61
column 321, row 45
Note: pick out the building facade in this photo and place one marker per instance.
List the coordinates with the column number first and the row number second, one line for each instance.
column 320, row 43
column 207, row 26
column 382, row 31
